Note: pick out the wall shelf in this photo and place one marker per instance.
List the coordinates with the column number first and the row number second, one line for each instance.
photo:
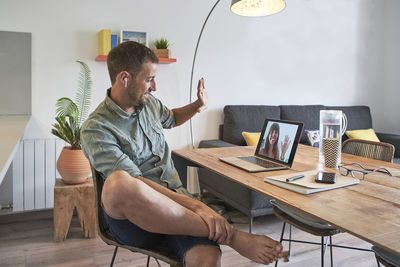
column 101, row 58
column 161, row 60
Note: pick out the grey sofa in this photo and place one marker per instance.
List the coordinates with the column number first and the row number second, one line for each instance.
column 250, row 118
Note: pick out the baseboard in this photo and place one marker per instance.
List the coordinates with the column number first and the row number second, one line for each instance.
column 26, row 216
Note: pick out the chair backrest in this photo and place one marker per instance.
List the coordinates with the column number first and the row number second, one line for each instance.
column 102, row 226
column 369, row 149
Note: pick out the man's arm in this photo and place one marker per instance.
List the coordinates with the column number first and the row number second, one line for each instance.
column 219, row 229
column 185, row 113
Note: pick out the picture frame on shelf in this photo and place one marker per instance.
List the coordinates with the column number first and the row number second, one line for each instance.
column 130, row 35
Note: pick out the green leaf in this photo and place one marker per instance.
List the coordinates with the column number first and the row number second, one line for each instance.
column 66, row 106
column 57, row 133
column 64, row 129
column 69, row 114
column 161, row 43
column 84, row 92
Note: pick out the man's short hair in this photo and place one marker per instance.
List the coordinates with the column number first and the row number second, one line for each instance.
column 128, row 56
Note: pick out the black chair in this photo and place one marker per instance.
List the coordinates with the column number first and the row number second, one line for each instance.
column 386, row 258
column 307, row 224
column 381, row 151
column 375, row 150
column 104, row 233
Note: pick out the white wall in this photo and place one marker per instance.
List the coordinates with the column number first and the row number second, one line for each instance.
column 391, row 93
column 314, row 52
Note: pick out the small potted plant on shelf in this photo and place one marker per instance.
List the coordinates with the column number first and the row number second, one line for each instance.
column 72, row 165
column 162, row 48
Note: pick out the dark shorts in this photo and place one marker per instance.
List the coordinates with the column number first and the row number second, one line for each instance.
column 127, row 233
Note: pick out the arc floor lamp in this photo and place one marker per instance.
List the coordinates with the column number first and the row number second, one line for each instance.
column 248, row 8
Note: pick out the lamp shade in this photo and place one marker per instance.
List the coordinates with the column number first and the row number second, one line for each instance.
column 257, row 8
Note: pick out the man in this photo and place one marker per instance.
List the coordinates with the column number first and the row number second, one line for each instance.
column 143, row 199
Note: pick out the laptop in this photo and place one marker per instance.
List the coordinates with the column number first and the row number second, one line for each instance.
column 275, row 150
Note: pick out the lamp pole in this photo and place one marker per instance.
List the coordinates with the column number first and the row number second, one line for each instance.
column 194, row 61
column 250, row 8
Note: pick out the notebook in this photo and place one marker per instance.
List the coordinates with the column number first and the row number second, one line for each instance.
column 275, row 150
column 307, row 185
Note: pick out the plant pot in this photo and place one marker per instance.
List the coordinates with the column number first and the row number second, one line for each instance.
column 73, row 166
column 164, row 53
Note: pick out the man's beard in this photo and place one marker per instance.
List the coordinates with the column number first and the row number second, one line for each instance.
column 140, row 102
column 143, row 100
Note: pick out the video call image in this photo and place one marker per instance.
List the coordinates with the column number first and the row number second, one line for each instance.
column 278, row 140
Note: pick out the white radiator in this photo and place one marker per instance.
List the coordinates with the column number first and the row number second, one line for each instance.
column 34, row 172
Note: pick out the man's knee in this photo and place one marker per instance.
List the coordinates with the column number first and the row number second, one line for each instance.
column 116, row 187
column 203, row 256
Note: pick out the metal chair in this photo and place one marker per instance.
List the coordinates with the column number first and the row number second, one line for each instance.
column 381, row 151
column 369, row 149
column 298, row 220
column 386, row 258
column 106, row 236
column 308, row 224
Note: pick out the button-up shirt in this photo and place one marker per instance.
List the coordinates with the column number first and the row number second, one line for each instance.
column 113, row 139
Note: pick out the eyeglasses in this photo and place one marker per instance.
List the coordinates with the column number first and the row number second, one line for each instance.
column 360, row 174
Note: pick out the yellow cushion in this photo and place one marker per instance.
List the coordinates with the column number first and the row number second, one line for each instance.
column 251, row 138
column 368, row 134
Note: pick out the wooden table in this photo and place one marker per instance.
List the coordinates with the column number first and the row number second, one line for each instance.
column 369, row 210
column 66, row 199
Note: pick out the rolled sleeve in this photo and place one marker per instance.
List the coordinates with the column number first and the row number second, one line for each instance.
column 105, row 154
column 166, row 116
column 169, row 121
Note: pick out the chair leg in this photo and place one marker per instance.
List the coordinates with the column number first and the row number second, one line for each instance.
column 158, row 263
column 330, row 241
column 377, row 261
column 283, row 231
column 148, row 261
column 280, row 240
column 251, row 224
column 322, row 250
column 290, row 240
column 113, row 257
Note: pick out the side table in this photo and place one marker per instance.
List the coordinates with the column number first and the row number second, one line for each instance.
column 66, row 198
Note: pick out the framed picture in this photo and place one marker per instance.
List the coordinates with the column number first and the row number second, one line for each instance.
column 128, row 35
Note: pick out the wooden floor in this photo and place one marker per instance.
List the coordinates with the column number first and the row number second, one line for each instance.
column 29, row 242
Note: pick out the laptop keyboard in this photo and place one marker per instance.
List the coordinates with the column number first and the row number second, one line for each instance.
column 260, row 162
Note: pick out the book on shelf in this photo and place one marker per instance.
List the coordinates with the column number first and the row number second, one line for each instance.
column 307, row 185
column 104, row 41
column 114, row 40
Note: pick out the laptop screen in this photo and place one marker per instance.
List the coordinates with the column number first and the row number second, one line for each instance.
column 278, row 141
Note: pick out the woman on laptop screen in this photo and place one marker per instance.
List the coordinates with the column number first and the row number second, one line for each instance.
column 271, row 149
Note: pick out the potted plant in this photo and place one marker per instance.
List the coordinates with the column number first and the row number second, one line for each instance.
column 162, row 48
column 72, row 165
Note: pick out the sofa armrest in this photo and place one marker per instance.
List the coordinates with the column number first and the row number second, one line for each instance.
column 393, row 139
column 214, row 143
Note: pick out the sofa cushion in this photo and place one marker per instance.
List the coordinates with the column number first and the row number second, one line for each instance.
column 251, row 138
column 364, row 134
column 308, row 114
column 313, row 137
column 250, row 118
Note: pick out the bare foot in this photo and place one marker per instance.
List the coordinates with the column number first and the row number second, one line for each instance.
column 258, row 248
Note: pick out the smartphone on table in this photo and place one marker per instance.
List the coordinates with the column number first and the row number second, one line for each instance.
column 326, row 177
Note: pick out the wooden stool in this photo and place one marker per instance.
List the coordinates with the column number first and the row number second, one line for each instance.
column 66, row 198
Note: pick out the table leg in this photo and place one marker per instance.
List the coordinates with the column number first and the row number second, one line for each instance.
column 181, row 165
